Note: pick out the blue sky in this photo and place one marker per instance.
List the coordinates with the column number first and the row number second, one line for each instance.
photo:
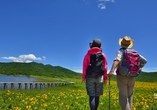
column 58, row 32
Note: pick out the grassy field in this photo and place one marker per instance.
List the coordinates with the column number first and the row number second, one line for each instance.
column 74, row 97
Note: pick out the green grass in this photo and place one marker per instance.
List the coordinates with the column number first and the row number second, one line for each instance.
column 69, row 97
column 48, row 79
column 74, row 97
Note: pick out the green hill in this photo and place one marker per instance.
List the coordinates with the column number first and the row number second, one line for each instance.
column 147, row 77
column 144, row 77
column 36, row 69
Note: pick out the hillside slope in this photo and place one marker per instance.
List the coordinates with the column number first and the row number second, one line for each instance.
column 144, row 77
column 147, row 77
column 36, row 69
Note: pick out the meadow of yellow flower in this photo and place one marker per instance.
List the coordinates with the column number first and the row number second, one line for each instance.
column 74, row 97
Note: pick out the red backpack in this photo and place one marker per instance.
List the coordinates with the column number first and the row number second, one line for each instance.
column 130, row 64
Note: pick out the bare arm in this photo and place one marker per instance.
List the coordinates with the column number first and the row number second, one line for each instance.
column 114, row 66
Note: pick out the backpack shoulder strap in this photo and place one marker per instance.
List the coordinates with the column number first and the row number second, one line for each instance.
column 131, row 50
column 123, row 50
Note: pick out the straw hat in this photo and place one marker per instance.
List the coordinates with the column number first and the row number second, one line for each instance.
column 126, row 42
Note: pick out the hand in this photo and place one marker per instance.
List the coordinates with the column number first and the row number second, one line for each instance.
column 105, row 82
column 83, row 80
column 110, row 74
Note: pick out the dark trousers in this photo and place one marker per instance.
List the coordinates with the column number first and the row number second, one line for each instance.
column 93, row 102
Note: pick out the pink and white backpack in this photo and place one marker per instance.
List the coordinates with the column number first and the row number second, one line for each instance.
column 130, row 64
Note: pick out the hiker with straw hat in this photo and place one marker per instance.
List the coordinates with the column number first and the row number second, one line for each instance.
column 125, row 83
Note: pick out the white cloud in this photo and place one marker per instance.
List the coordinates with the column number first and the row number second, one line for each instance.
column 102, row 3
column 106, row 1
column 101, row 0
column 101, row 6
column 24, row 58
column 44, row 58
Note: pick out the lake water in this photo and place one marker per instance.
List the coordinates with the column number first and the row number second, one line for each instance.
column 6, row 78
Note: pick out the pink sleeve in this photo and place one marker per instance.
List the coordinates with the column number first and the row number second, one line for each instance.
column 85, row 65
column 105, row 66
